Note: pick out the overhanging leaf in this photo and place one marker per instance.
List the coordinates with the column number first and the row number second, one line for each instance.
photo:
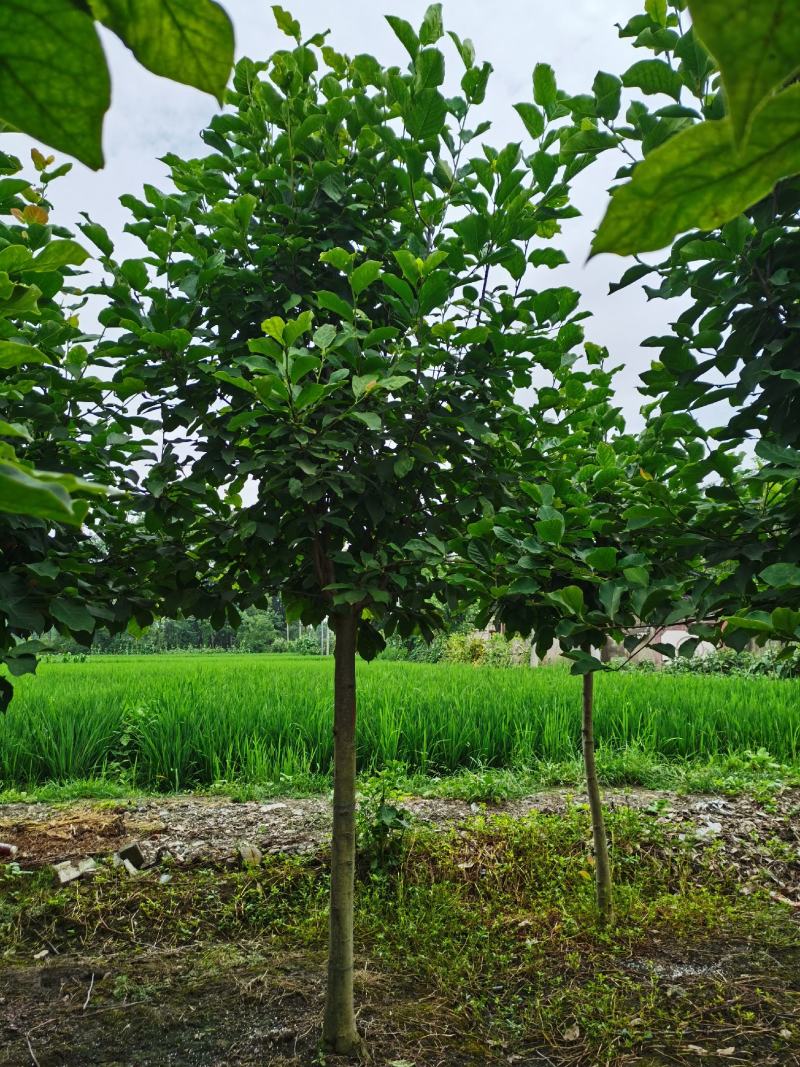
column 757, row 48
column 54, row 82
column 189, row 41
column 24, row 493
column 698, row 180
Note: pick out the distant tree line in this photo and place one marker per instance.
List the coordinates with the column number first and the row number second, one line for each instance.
column 261, row 630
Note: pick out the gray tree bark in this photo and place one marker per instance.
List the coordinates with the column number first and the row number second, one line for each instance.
column 339, row 1032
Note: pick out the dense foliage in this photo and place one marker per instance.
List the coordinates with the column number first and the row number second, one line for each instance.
column 59, row 431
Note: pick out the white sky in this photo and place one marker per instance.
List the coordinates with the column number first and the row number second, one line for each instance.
column 150, row 116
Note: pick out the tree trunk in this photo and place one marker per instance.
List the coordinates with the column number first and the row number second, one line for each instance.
column 602, row 863
column 339, row 1033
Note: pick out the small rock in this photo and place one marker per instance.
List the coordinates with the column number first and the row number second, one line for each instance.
column 164, row 879
column 41, row 955
column 131, row 870
column 69, row 870
column 249, row 854
column 8, row 851
column 133, row 854
column 266, row 808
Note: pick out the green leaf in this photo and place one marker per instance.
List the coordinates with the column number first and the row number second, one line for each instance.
column 570, row 597
column 435, row 292
column 551, row 531
column 25, row 492
column 296, row 328
column 432, row 28
column 657, row 10
column 14, row 429
column 98, row 235
column 54, row 82
column 583, row 663
column 364, row 275
column 429, row 67
column 545, row 92
column 301, row 365
column 757, row 48
column 59, row 254
column 607, row 90
column 73, row 614
column 653, row 76
column 134, row 271
column 405, row 32
column 285, row 23
column 697, row 180
column 602, row 559
column 331, row 302
column 637, row 575
column 524, row 586
column 13, row 354
column 532, row 117
column 189, row 41
column 325, row 336
column 750, row 622
column 780, row 574
column 339, row 258
column 369, row 418
column 427, row 115
column 274, row 327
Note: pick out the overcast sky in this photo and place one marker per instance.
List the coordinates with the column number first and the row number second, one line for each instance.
column 150, row 116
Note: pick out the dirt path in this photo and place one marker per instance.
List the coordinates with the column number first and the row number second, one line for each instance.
column 761, row 840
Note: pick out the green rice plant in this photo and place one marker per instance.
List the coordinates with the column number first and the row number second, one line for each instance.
column 183, row 722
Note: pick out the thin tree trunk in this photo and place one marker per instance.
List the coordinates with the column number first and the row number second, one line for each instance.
column 602, row 862
column 339, row 1033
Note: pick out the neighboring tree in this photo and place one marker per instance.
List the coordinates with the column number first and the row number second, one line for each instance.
column 54, row 81
column 710, row 171
column 61, row 446
column 566, row 558
column 735, row 342
column 331, row 324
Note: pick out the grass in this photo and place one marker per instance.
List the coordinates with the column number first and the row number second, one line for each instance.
column 481, row 941
column 173, row 723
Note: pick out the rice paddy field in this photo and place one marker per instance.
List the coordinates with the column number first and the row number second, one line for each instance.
column 186, row 722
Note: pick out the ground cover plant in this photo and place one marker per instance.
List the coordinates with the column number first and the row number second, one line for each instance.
column 182, row 722
column 476, row 945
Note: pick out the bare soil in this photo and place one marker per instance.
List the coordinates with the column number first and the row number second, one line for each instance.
column 761, row 840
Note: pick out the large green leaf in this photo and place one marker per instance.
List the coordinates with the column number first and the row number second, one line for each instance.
column 757, row 47
column 190, row 41
column 25, row 493
column 427, row 114
column 54, row 82
column 13, row 354
column 698, row 180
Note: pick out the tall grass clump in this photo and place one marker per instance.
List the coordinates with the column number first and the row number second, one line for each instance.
column 182, row 722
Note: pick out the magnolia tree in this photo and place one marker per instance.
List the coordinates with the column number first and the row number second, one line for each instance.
column 712, row 143
column 567, row 558
column 330, row 324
